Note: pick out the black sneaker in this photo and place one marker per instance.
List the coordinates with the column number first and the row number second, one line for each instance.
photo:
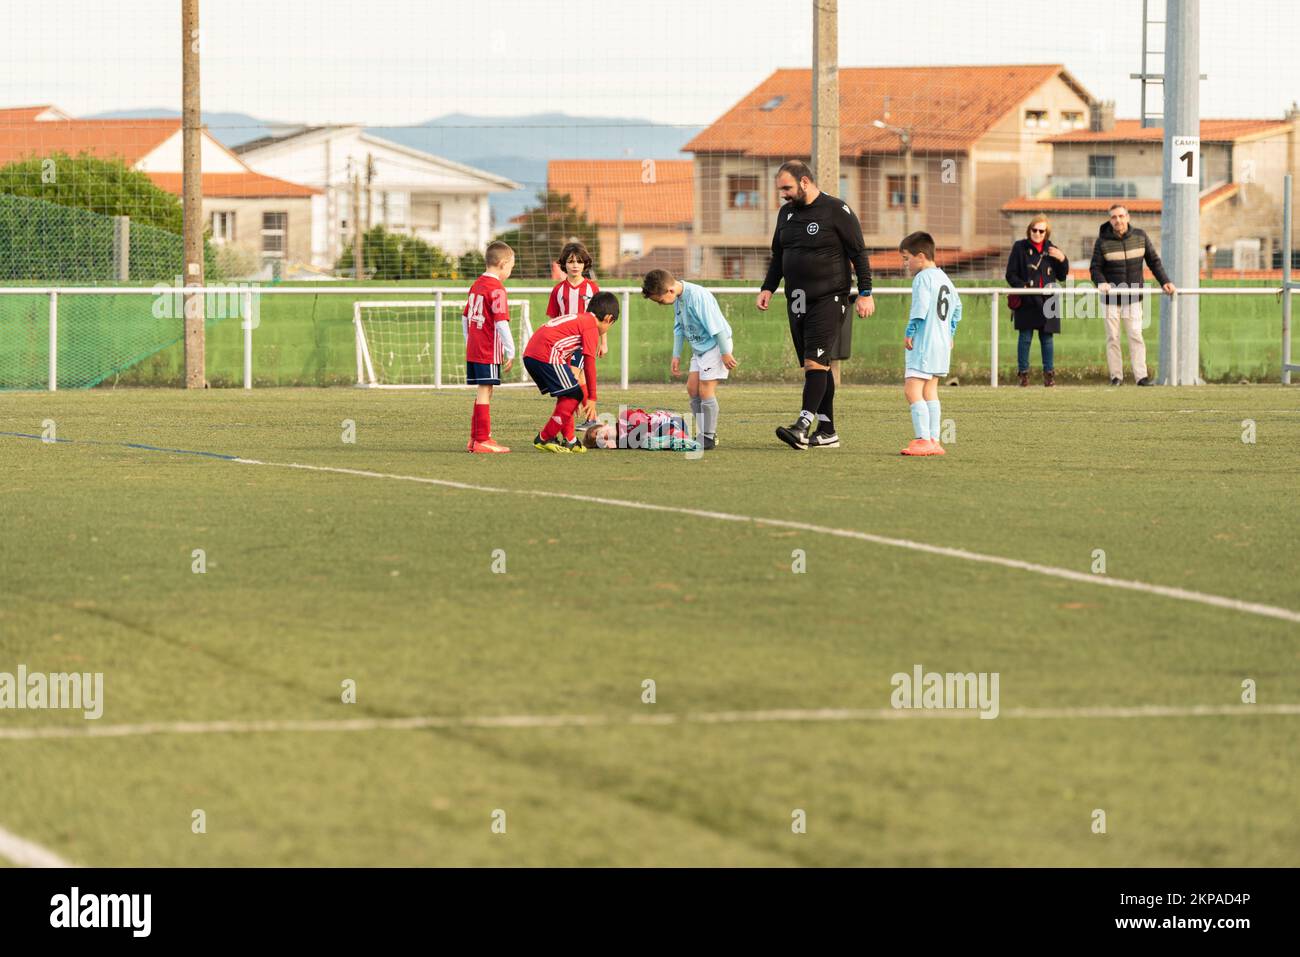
column 823, row 440
column 708, row 442
column 1145, row 380
column 1116, row 381
column 795, row 436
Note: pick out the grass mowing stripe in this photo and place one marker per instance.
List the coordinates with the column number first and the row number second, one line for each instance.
column 1164, row 591
column 783, row 715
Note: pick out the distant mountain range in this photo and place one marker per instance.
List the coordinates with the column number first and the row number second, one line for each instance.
column 517, row 147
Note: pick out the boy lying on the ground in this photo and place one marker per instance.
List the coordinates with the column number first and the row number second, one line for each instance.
column 657, row 431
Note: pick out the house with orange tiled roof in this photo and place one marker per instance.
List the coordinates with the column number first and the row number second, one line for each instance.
column 269, row 217
column 975, row 135
column 1243, row 162
column 643, row 210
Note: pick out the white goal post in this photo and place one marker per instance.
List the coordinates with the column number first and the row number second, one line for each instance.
column 419, row 343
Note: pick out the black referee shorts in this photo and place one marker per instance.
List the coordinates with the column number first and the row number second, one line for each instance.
column 816, row 332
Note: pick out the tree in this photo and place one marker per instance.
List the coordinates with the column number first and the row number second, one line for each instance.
column 105, row 186
column 471, row 264
column 57, row 222
column 543, row 231
column 395, row 256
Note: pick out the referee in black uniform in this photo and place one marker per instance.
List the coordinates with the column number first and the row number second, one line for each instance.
column 817, row 237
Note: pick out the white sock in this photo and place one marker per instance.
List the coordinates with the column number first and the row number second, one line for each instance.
column 935, row 421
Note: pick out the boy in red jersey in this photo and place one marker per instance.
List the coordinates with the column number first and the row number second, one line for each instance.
column 486, row 322
column 573, row 293
column 550, row 357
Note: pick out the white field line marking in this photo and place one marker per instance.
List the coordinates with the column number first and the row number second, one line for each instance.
column 1165, row 591
column 792, row 715
column 26, row 854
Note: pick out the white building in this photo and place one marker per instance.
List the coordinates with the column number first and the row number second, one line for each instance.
column 411, row 192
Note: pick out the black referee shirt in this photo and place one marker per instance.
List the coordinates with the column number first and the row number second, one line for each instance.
column 813, row 247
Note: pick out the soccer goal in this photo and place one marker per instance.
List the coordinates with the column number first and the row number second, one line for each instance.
column 420, row 344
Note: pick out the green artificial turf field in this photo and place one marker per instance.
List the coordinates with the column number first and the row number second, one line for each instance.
column 315, row 578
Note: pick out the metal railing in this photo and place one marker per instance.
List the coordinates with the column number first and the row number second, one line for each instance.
column 625, row 293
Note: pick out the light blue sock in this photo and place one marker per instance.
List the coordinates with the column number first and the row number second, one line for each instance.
column 933, row 406
column 920, row 420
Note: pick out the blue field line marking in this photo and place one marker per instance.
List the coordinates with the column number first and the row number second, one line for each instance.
column 124, row 445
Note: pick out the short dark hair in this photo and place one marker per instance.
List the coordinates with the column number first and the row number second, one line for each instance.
column 575, row 249
column 603, row 304
column 798, row 169
column 918, row 244
column 656, row 283
column 497, row 253
column 1115, row 206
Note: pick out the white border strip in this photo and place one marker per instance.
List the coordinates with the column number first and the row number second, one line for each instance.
column 785, row 715
column 26, row 854
column 1164, row 591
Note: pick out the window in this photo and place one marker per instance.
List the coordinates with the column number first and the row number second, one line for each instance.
column 223, row 228
column 426, row 211
column 894, row 186
column 1072, row 120
column 1101, row 167
column 275, row 234
column 772, row 104
column 743, row 192
column 733, row 265
column 395, row 209
column 1036, row 119
column 844, row 188
column 631, row 245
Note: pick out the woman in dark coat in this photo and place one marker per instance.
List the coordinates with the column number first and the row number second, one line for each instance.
column 1035, row 263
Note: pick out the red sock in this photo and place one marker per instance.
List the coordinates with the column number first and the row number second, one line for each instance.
column 561, row 418
column 480, row 429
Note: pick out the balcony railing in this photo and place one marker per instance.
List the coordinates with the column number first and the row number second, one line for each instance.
column 1096, row 187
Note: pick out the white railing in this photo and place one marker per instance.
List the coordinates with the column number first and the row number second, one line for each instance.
column 246, row 294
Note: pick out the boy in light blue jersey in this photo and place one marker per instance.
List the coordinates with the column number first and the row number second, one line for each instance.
column 931, row 326
column 697, row 319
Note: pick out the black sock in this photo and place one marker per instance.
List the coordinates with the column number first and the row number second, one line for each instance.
column 814, row 389
column 826, row 414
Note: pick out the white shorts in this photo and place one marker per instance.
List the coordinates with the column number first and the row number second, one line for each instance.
column 918, row 374
column 709, row 364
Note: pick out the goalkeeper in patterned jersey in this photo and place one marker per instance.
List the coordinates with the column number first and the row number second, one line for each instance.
column 656, row 431
column 935, row 313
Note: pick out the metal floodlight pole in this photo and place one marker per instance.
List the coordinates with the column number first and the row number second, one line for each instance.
column 1181, row 218
column 826, row 96
column 1288, row 246
column 192, row 194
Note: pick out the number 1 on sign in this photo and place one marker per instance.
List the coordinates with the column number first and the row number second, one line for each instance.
column 1186, row 167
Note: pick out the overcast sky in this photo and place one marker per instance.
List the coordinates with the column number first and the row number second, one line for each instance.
column 396, row 62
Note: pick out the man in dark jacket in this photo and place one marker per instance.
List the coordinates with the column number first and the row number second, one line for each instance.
column 1117, row 259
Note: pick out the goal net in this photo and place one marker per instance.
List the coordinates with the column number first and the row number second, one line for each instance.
column 421, row 344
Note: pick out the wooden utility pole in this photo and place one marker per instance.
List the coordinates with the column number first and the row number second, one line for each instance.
column 192, row 194
column 370, row 178
column 358, row 254
column 826, row 96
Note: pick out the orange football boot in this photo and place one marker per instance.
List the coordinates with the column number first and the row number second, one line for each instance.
column 919, row 447
column 488, row 445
